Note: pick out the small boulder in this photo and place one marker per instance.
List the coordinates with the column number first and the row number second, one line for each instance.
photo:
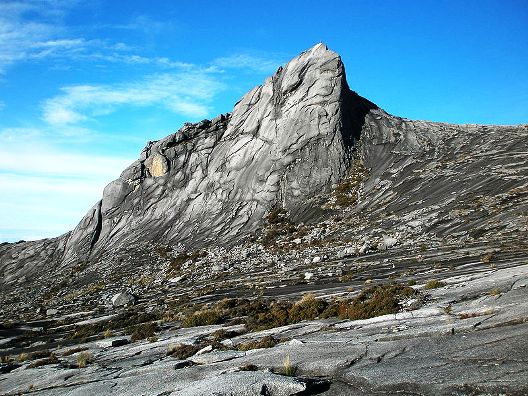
column 207, row 349
column 52, row 312
column 176, row 279
column 316, row 259
column 348, row 251
column 123, row 299
column 295, row 342
column 120, row 342
column 389, row 241
column 363, row 249
column 308, row 275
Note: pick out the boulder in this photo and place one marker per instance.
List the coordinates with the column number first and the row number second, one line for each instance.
column 123, row 299
column 52, row 311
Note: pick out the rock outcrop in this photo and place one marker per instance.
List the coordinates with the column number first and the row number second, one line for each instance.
column 285, row 142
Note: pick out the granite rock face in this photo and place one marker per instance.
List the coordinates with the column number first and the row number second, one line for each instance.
column 285, row 142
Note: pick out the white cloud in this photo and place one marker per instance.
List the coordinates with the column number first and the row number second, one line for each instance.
column 22, row 38
column 46, row 189
column 38, row 160
column 250, row 62
column 34, row 30
column 187, row 93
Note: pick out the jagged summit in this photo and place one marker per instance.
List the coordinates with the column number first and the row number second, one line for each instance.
column 284, row 142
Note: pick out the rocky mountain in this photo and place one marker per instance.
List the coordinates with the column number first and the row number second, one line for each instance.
column 304, row 187
column 285, row 142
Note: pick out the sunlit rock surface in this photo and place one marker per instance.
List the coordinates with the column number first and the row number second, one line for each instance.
column 365, row 198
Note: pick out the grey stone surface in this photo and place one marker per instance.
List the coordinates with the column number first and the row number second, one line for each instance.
column 122, row 299
column 435, row 202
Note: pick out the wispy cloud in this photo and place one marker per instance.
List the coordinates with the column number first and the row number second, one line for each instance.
column 34, row 30
column 187, row 93
column 249, row 62
column 22, row 38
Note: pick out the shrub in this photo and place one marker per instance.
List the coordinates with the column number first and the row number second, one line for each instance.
column 182, row 258
column 182, row 351
column 434, row 284
column 6, row 359
column 74, row 350
column 202, row 318
column 23, row 357
column 345, row 194
column 222, row 334
column 278, row 225
column 143, row 331
column 125, row 320
column 40, row 354
column 107, row 333
column 308, row 308
column 248, row 367
column 83, row 359
column 288, row 368
column 495, row 291
column 266, row 342
column 273, row 315
column 51, row 359
column 375, row 301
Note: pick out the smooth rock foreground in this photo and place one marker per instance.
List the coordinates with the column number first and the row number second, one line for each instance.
column 304, row 187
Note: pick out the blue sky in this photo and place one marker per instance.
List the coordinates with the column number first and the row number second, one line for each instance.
column 85, row 84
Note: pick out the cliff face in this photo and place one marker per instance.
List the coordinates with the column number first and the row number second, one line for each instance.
column 285, row 141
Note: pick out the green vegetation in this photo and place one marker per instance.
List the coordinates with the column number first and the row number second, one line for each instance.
column 126, row 321
column 222, row 334
column 182, row 351
column 434, row 284
column 177, row 262
column 375, row 301
column 266, row 342
column 248, row 367
column 83, row 359
column 203, row 318
column 51, row 359
column 346, row 192
column 487, row 258
column 6, row 359
column 144, row 331
column 70, row 352
column 262, row 314
column 278, row 225
column 495, row 291
column 23, row 357
column 288, row 368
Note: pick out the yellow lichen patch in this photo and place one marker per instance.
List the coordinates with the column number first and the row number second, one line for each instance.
column 158, row 165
